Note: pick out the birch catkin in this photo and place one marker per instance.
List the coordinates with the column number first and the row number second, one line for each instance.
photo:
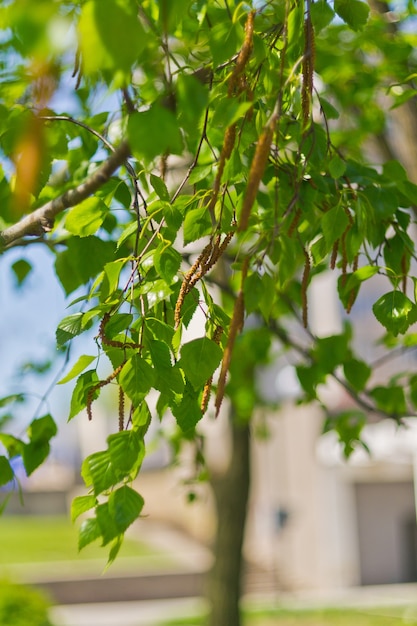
column 256, row 172
column 236, row 326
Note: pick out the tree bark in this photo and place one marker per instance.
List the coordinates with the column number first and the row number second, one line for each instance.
column 231, row 492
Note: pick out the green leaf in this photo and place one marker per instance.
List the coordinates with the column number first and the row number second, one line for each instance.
column 42, row 429
column 334, row 223
column 34, row 454
column 321, row 15
column 68, row 328
column 197, row 224
column 6, row 472
column 103, row 48
column 118, row 323
column 83, row 259
column 199, row 360
column 331, row 351
column 357, row 373
column 21, row 269
column 328, row 109
column 169, row 377
column 136, row 378
column 160, row 187
column 89, row 532
column 108, row 527
column 10, row 399
column 354, row 12
column 81, row 504
column 395, row 312
column 384, row 201
column 349, row 426
column 83, row 362
column 259, row 291
column 115, row 549
column 13, row 445
column 125, row 506
column 167, row 261
column 188, row 412
column 390, row 399
column 79, row 396
column 413, row 389
column 126, row 451
column 310, row 378
column 98, row 472
column 337, row 166
column 154, row 133
column 87, row 217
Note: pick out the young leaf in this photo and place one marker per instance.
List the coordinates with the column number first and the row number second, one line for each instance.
column 160, row 187
column 21, row 269
column 395, row 312
column 79, row 395
column 83, row 362
column 42, row 429
column 321, row 14
column 199, row 359
column 34, row 454
column 354, row 12
column 125, row 505
column 68, row 328
column 357, row 373
column 6, row 472
column 87, row 217
column 154, row 132
column 136, row 378
column 89, row 532
column 81, row 504
column 126, row 450
column 98, row 472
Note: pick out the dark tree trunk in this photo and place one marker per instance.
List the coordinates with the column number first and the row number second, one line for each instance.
column 231, row 491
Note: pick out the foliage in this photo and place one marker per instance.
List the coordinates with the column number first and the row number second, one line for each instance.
column 21, row 605
column 224, row 173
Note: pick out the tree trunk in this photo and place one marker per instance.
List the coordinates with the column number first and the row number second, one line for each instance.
column 231, row 492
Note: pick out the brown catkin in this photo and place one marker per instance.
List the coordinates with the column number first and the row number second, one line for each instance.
column 351, row 300
column 304, row 285
column 404, row 274
column 333, row 258
column 256, row 172
column 236, row 326
column 308, row 70
column 121, row 409
column 112, row 342
column 244, row 54
column 294, row 222
column 207, row 387
column 208, row 257
column 99, row 385
column 344, row 258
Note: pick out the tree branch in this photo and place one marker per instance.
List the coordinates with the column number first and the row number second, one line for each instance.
column 42, row 219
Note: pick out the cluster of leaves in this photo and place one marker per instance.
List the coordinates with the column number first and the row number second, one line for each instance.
column 230, row 171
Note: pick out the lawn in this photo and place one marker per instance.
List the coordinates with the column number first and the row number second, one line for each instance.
column 27, row 539
column 397, row 616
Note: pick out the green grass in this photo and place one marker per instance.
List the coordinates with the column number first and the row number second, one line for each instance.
column 397, row 616
column 25, row 539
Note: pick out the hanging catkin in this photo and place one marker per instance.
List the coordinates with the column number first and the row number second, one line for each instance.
column 256, row 172
column 236, row 326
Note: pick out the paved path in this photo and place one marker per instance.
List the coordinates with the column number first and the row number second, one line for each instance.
column 154, row 613
column 146, row 613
